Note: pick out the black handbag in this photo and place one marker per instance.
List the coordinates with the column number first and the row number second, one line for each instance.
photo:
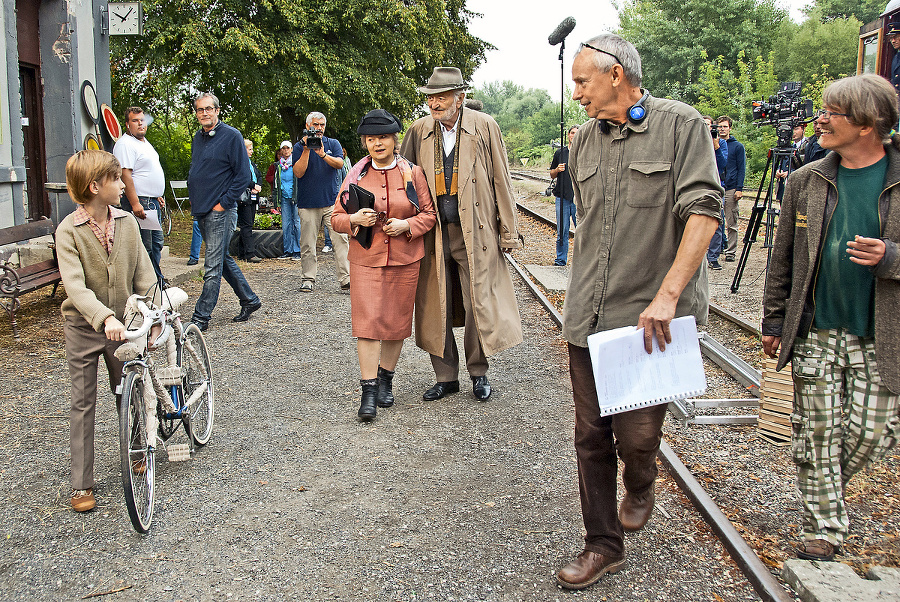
column 358, row 198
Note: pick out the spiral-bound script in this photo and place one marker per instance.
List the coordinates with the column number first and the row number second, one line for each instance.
column 628, row 378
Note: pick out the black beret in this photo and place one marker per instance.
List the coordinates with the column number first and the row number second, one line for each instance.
column 378, row 121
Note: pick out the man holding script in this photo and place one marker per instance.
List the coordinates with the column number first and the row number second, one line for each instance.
column 648, row 199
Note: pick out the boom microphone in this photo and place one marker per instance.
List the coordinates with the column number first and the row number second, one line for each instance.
column 562, row 30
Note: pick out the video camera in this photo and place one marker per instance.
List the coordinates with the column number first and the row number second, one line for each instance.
column 313, row 139
column 785, row 110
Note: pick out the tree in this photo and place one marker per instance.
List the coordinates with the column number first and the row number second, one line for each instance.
column 802, row 50
column 674, row 37
column 864, row 10
column 271, row 62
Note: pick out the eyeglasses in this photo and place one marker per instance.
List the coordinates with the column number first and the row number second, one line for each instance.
column 829, row 114
column 202, row 110
column 586, row 45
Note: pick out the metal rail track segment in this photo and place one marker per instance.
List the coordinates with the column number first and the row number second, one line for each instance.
column 764, row 583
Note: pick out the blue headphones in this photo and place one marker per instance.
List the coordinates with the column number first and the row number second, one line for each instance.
column 636, row 113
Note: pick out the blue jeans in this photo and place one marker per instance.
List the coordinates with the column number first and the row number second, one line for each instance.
column 717, row 243
column 152, row 239
column 327, row 236
column 565, row 210
column 196, row 241
column 217, row 228
column 290, row 227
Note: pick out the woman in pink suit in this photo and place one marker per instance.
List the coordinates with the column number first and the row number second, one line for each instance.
column 383, row 276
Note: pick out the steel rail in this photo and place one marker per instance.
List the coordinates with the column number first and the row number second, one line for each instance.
column 764, row 583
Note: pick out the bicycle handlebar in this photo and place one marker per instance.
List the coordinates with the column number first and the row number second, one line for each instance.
column 151, row 317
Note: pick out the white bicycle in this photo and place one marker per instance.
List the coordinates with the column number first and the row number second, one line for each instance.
column 162, row 387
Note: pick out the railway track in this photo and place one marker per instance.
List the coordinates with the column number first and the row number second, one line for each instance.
column 757, row 573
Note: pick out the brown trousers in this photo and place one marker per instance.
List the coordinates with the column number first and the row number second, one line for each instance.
column 446, row 368
column 84, row 346
column 635, row 435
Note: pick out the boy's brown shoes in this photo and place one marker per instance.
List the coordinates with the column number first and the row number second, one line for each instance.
column 83, row 500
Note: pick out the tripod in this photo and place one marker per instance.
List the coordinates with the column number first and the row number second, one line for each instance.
column 777, row 157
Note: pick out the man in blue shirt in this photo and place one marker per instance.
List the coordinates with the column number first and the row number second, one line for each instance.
column 219, row 175
column 318, row 164
column 733, row 184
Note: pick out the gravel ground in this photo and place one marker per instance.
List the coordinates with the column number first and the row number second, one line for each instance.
column 751, row 479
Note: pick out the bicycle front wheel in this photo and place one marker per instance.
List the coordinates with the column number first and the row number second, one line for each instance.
column 136, row 454
column 165, row 219
column 193, row 358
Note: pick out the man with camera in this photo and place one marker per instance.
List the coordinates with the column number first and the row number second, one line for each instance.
column 734, row 183
column 565, row 203
column 318, row 163
column 717, row 244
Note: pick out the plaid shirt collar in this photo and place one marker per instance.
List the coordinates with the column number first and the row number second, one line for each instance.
column 106, row 238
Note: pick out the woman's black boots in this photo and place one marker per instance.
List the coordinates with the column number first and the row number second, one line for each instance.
column 367, row 409
column 385, row 395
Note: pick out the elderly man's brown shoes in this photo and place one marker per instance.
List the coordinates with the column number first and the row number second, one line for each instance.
column 635, row 511
column 587, row 569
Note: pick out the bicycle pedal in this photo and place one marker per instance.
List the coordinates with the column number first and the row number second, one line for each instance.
column 179, row 452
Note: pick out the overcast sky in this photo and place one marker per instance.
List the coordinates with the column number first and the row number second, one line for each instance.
column 519, row 29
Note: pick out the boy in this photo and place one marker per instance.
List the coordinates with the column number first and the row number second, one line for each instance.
column 102, row 262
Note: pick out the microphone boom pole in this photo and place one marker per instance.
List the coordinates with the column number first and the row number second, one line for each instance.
column 559, row 37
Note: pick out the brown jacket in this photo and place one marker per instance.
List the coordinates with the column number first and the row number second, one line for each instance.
column 487, row 210
column 809, row 201
column 390, row 197
column 97, row 284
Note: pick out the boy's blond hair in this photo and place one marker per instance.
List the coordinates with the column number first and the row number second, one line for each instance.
column 88, row 166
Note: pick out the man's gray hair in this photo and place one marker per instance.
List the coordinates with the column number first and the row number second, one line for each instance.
column 625, row 54
column 207, row 95
column 316, row 115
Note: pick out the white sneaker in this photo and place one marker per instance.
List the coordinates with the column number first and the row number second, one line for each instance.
column 327, row 249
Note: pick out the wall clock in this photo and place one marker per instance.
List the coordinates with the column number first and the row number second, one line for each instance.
column 126, row 18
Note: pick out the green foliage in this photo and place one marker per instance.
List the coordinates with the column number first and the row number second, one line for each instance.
column 864, row 10
column 674, row 37
column 267, row 221
column 529, row 119
column 270, row 62
column 802, row 50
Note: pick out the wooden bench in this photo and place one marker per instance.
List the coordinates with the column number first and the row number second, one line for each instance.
column 16, row 281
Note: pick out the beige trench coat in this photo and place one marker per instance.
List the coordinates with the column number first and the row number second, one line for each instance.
column 487, row 211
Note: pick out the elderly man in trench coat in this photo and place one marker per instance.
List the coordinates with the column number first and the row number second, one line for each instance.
column 463, row 280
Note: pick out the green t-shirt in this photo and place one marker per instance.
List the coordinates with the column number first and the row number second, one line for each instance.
column 845, row 291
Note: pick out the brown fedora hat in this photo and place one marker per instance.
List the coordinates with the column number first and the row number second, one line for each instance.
column 443, row 79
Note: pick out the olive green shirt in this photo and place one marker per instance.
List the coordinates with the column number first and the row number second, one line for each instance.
column 635, row 188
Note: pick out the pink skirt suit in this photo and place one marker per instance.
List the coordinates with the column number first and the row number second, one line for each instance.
column 384, row 276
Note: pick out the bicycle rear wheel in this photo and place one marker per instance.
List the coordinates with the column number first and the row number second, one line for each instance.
column 136, row 454
column 193, row 357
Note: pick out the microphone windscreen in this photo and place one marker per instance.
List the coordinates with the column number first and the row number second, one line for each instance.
column 562, row 30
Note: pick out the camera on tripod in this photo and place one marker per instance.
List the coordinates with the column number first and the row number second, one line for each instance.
column 785, row 110
column 313, row 139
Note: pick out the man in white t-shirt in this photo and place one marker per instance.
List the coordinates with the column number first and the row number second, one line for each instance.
column 144, row 180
